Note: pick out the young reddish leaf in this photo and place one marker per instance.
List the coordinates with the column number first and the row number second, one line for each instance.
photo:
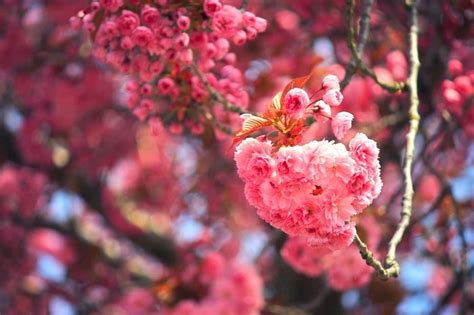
column 251, row 124
column 252, row 121
column 276, row 101
column 274, row 107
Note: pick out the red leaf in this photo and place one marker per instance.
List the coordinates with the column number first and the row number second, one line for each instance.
column 274, row 107
column 251, row 124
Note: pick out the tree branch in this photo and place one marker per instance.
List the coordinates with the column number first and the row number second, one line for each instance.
column 411, row 136
column 357, row 50
column 391, row 268
column 284, row 310
column 364, row 25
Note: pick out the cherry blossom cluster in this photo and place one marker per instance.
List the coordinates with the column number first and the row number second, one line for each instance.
column 179, row 54
column 232, row 288
column 310, row 190
column 345, row 269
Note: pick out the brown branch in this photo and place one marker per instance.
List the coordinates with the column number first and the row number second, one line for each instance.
column 351, row 67
column 411, row 136
column 390, row 268
column 357, row 50
column 364, row 25
column 284, row 310
column 382, row 272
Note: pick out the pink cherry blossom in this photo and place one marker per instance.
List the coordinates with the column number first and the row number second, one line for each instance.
column 260, row 24
column 295, row 103
column 363, row 149
column 330, row 82
column 183, row 22
column 291, row 163
column 333, row 97
column 341, row 124
column 322, row 110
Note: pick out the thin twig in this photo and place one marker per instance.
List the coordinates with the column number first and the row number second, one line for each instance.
column 391, row 268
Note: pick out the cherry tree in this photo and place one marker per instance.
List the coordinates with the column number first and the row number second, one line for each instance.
column 236, row 157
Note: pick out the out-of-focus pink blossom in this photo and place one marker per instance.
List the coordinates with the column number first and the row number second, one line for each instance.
column 397, row 64
column 441, row 277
